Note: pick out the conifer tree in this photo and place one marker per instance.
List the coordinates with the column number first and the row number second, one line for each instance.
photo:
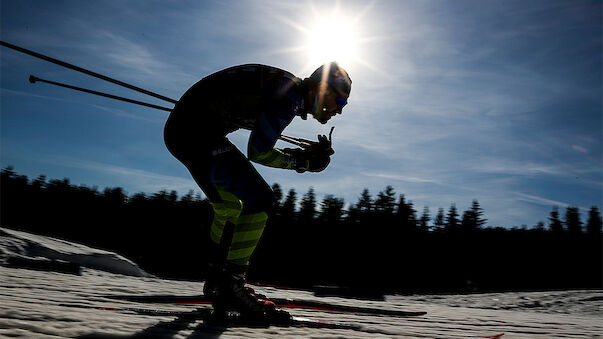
column 365, row 203
column 406, row 214
column 288, row 208
column 118, row 197
column 468, row 223
column 307, row 210
column 385, row 203
column 412, row 215
column 554, row 221
column 278, row 195
column 452, row 218
column 472, row 218
column 572, row 220
column 424, row 221
column 478, row 213
column 353, row 215
column 438, row 221
column 138, row 199
column 39, row 183
column 173, row 197
column 539, row 226
column 364, row 209
column 188, row 198
column 331, row 209
column 593, row 225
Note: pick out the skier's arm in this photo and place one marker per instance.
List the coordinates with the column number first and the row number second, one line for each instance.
column 273, row 157
column 313, row 158
column 301, row 160
column 277, row 114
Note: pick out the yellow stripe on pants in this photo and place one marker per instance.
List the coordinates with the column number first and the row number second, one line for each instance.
column 247, row 233
column 228, row 210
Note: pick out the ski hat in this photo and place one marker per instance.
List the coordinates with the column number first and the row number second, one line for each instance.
column 336, row 77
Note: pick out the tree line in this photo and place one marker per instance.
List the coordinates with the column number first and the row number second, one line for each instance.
column 378, row 242
column 398, row 210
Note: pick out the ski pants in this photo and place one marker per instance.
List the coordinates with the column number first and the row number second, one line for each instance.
column 240, row 198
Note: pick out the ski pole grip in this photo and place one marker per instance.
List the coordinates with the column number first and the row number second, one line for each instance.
column 33, row 79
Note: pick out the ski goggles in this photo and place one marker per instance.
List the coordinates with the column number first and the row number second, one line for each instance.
column 340, row 100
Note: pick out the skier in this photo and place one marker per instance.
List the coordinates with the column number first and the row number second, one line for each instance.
column 264, row 99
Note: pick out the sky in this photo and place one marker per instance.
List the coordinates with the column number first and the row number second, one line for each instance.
column 498, row 101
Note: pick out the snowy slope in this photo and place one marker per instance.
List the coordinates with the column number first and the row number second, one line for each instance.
column 35, row 247
column 38, row 304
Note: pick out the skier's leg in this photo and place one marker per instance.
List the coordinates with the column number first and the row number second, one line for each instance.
column 241, row 201
column 244, row 194
column 246, row 235
column 198, row 154
column 241, row 190
column 226, row 210
column 247, row 228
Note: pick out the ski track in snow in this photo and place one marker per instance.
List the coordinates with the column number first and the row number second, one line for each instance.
column 39, row 304
column 32, row 305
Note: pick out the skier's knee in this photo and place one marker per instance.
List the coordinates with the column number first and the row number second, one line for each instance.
column 230, row 206
column 263, row 202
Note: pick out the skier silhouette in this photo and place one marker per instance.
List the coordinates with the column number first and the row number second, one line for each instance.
column 264, row 99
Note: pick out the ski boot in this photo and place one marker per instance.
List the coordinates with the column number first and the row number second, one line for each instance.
column 229, row 294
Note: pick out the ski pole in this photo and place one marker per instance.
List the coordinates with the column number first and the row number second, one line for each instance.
column 33, row 79
column 300, row 142
column 85, row 71
column 295, row 141
column 304, row 143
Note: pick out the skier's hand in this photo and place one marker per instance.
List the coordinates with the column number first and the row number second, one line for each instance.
column 319, row 163
column 322, row 148
column 312, row 160
column 300, row 159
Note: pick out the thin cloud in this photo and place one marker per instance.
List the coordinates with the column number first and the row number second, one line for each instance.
column 511, row 167
column 137, row 179
column 144, row 116
column 32, row 95
column 148, row 117
column 543, row 201
column 139, row 63
column 404, row 178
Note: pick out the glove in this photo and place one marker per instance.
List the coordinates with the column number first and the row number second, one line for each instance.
column 309, row 160
column 322, row 148
column 319, row 154
column 319, row 163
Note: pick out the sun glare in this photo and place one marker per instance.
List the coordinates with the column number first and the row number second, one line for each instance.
column 332, row 34
column 331, row 38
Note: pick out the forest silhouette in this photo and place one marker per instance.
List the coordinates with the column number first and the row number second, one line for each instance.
column 379, row 242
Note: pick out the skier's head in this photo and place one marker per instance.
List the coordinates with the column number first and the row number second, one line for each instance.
column 328, row 91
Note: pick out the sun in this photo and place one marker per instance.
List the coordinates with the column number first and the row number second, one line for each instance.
column 332, row 33
column 331, row 38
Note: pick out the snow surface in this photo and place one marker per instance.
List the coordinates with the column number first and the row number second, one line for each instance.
column 21, row 244
column 37, row 304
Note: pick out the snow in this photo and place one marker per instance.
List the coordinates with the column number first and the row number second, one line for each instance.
column 21, row 244
column 41, row 304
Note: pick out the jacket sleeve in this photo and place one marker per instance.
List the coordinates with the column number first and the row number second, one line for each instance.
column 272, row 158
column 278, row 111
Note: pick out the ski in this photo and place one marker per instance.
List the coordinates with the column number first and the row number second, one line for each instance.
column 232, row 319
column 279, row 302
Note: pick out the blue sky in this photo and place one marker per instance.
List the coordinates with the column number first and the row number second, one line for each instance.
column 498, row 101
